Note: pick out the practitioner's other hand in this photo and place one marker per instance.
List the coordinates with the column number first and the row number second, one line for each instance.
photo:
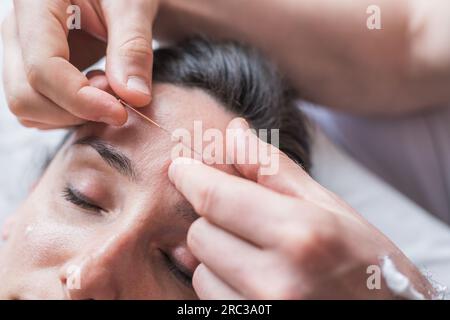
column 280, row 236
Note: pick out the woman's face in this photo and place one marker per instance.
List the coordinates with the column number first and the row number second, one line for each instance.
column 104, row 222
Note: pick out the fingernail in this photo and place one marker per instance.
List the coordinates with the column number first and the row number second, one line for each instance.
column 242, row 130
column 239, row 124
column 114, row 115
column 243, row 123
column 179, row 161
column 109, row 120
column 138, row 84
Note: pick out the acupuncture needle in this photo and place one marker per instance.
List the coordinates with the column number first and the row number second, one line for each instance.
column 143, row 116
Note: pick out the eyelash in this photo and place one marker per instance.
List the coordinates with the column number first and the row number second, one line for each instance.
column 80, row 200
column 177, row 271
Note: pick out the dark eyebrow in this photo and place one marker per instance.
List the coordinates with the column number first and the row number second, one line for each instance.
column 110, row 155
column 184, row 210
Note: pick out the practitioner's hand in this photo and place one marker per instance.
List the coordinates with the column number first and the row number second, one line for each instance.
column 281, row 236
column 42, row 60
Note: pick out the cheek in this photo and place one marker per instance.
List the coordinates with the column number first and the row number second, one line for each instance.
column 44, row 244
column 39, row 240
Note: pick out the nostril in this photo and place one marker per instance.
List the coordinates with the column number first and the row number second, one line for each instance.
column 62, row 278
column 73, row 277
column 70, row 279
column 90, row 281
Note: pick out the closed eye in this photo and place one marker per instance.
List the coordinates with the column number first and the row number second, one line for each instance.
column 77, row 198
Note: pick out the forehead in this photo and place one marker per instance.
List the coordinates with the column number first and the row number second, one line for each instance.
column 172, row 107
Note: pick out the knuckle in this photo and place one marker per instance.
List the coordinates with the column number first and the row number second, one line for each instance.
column 33, row 73
column 207, row 198
column 137, row 47
column 304, row 245
column 308, row 236
column 242, row 275
column 16, row 105
column 27, row 123
column 73, row 121
column 266, row 179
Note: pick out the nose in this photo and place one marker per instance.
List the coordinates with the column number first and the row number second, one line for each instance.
column 89, row 279
column 95, row 273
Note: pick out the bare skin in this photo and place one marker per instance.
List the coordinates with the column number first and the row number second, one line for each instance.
column 329, row 53
column 115, row 222
column 331, row 57
column 119, row 248
column 323, row 46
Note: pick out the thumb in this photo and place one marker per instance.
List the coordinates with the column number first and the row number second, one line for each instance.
column 288, row 177
column 129, row 55
column 251, row 155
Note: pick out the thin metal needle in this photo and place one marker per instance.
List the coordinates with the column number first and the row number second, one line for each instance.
column 142, row 115
column 156, row 124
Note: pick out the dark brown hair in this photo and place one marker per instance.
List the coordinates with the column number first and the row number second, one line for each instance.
column 244, row 82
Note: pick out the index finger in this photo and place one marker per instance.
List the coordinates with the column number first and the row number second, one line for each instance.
column 46, row 53
column 240, row 206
